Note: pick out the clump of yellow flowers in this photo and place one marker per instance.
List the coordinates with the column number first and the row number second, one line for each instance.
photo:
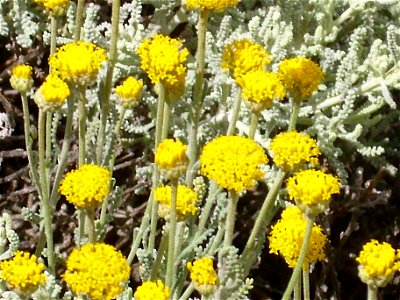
column 203, row 275
column 21, row 78
column 98, row 271
column 129, row 92
column 171, row 158
column 56, row 7
column 150, row 290
column 52, row 93
column 217, row 5
column 23, row 272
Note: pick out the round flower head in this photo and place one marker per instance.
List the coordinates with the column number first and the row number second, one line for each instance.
column 87, row 186
column 292, row 150
column 378, row 263
column 21, row 78
column 217, row 5
column 175, row 90
column 52, row 93
column 233, row 162
column 98, row 271
column 301, row 76
column 171, row 158
column 242, row 56
column 186, row 201
column 129, row 92
column 162, row 58
column 57, row 7
column 150, row 290
column 287, row 235
column 78, row 62
column 312, row 190
column 203, row 275
column 23, row 272
column 260, row 88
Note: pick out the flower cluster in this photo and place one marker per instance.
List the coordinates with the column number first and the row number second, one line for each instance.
column 233, row 162
column 171, row 158
column 291, row 150
column 301, row 76
column 162, row 58
column 286, row 238
column 203, row 275
column 97, row 270
column 87, row 186
column 21, row 78
column 186, row 201
column 312, row 190
column 378, row 263
column 57, row 7
column 129, row 92
column 150, row 290
column 23, row 272
column 260, row 88
column 217, row 5
column 78, row 62
column 52, row 93
column 243, row 56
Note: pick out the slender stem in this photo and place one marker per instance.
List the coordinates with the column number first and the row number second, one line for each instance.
column 91, row 230
column 160, row 254
column 213, row 192
column 300, row 260
column 166, row 117
column 79, row 19
column 235, row 112
column 53, row 34
column 188, row 292
column 294, row 114
column 82, row 125
column 105, row 108
column 230, row 218
column 171, row 235
column 306, row 282
column 372, row 292
column 297, row 289
column 42, row 151
column 160, row 114
column 81, row 225
column 253, row 124
column 197, row 95
column 48, row 164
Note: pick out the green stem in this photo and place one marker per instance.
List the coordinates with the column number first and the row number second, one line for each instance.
column 297, row 289
column 300, row 260
column 81, row 225
column 372, row 293
column 197, row 96
column 306, row 282
column 189, row 290
column 105, row 108
column 230, row 218
column 48, row 161
column 294, row 114
column 171, row 235
column 79, row 19
column 253, row 125
column 160, row 254
column 205, row 213
column 91, row 229
column 82, row 125
column 53, row 35
column 235, row 113
column 166, row 117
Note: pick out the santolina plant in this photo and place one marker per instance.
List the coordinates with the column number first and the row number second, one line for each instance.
column 239, row 107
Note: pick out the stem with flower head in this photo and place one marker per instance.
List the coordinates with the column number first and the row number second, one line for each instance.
column 79, row 19
column 235, row 112
column 253, row 124
column 105, row 109
column 171, row 235
column 372, row 293
column 306, row 281
column 300, row 260
column 197, row 95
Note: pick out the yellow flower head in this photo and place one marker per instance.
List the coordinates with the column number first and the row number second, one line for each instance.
column 378, row 263
column 150, row 290
column 57, row 7
column 301, row 76
column 291, row 150
column 260, row 88
column 203, row 275
column 242, row 56
column 87, row 186
column 23, row 272
column 233, row 162
column 217, row 5
column 97, row 270
column 175, row 90
column 52, row 93
column 21, row 78
column 286, row 238
column 163, row 59
column 186, row 201
column 129, row 92
column 312, row 190
column 171, row 158
column 78, row 62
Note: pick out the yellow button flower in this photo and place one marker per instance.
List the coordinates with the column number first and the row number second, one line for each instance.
column 203, row 275
column 217, row 5
column 286, row 238
column 21, row 78
column 233, row 162
column 87, row 186
column 52, row 93
column 260, row 88
column 163, row 59
column 378, row 263
column 78, row 62
column 171, row 158
column 98, row 271
column 57, row 7
column 150, row 290
column 23, row 272
column 186, row 201
column 301, row 76
column 312, row 190
column 292, row 150
column 129, row 92
column 242, row 56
